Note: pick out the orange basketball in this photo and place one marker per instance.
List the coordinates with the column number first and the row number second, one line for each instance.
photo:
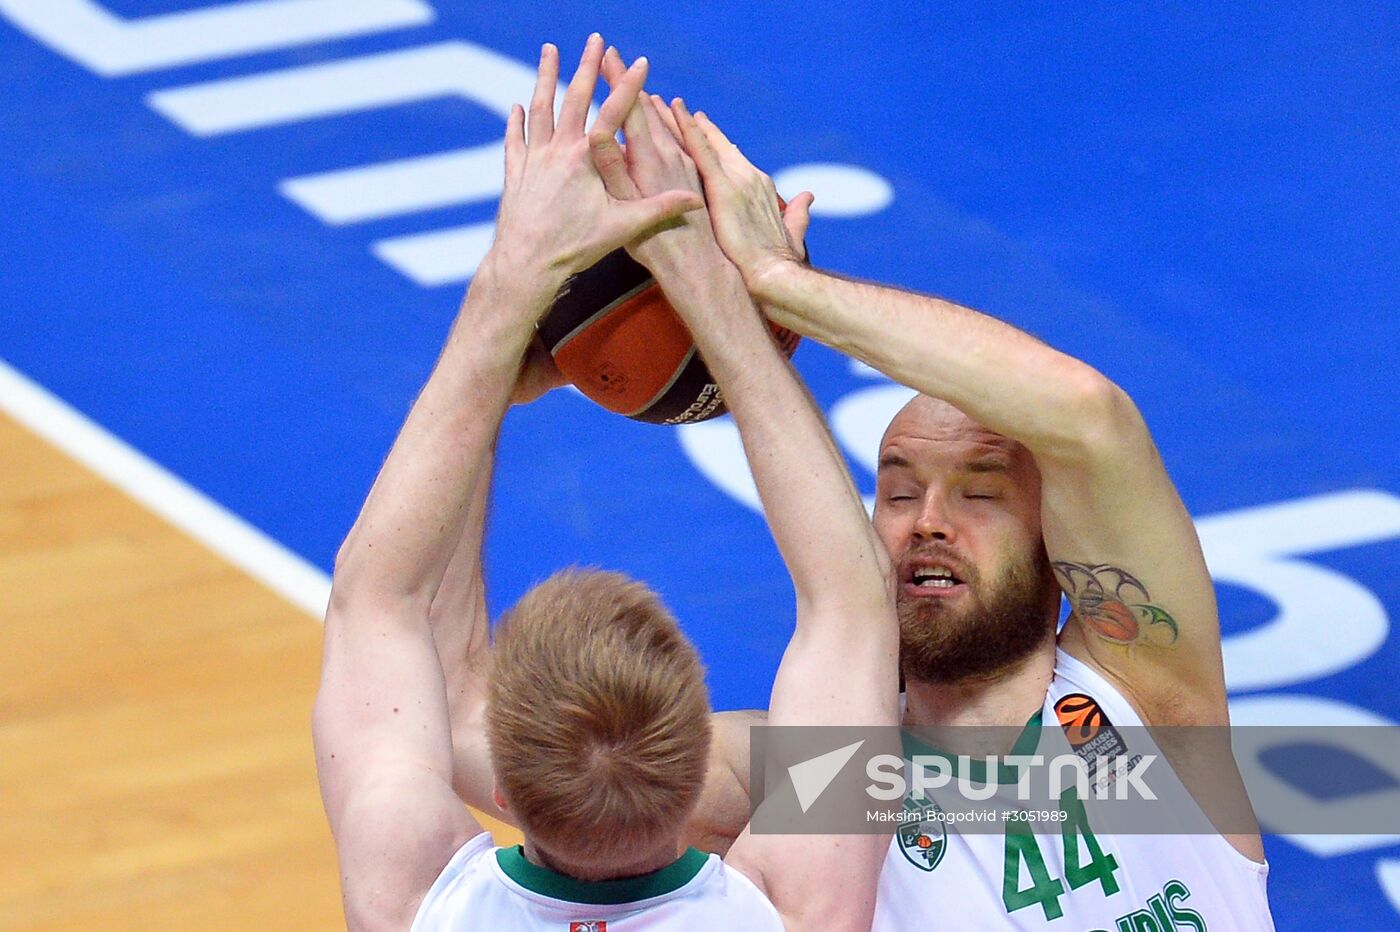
column 614, row 335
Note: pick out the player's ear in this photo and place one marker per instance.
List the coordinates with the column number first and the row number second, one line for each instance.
column 499, row 798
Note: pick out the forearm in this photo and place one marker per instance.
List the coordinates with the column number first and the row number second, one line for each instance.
column 461, row 633
column 996, row 373
column 413, row 518
column 460, row 623
column 814, row 512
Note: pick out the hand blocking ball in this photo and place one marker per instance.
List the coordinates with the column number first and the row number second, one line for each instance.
column 614, row 335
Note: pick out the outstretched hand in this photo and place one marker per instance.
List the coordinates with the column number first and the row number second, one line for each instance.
column 556, row 216
column 653, row 161
column 743, row 203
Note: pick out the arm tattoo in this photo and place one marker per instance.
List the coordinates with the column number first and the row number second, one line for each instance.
column 1115, row 605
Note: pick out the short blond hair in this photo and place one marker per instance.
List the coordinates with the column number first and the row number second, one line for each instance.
column 598, row 717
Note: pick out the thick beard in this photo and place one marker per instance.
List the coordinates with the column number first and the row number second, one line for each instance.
column 941, row 645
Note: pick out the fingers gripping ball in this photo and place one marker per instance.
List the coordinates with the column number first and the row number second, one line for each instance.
column 614, row 335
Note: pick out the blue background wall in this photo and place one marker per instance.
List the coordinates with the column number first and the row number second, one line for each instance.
column 1199, row 199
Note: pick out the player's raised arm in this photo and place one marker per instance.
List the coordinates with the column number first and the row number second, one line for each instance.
column 382, row 726
column 1121, row 541
column 841, row 666
column 460, row 623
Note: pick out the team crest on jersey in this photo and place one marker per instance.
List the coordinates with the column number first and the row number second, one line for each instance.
column 589, row 925
column 923, row 842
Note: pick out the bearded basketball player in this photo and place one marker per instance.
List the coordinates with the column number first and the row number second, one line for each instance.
column 1016, row 475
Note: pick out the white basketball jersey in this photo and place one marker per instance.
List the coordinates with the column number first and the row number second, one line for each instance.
column 485, row 887
column 1072, row 881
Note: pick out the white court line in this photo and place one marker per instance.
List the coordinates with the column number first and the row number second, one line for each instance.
column 300, row 582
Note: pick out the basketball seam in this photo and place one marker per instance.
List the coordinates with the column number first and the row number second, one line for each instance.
column 680, row 370
column 603, row 312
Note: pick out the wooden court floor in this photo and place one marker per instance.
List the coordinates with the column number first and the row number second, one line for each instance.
column 155, row 753
column 156, row 769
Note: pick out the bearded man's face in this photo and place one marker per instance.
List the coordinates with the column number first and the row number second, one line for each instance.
column 1001, row 619
column 958, row 509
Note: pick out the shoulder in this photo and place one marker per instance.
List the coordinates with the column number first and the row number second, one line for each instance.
column 389, row 862
column 1154, row 697
column 822, row 883
column 745, row 897
column 440, row 903
column 1078, row 677
column 723, row 808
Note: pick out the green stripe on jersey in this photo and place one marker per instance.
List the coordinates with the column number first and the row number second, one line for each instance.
column 559, row 886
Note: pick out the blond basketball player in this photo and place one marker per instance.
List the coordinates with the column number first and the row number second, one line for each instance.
column 595, row 706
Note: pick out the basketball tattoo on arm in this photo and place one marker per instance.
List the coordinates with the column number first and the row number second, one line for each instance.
column 1115, row 605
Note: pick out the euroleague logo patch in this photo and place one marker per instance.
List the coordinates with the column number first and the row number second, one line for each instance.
column 1082, row 719
column 589, row 925
column 1093, row 737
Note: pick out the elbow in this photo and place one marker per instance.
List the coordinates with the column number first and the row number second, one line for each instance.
column 345, row 580
column 323, row 712
column 885, row 564
column 1097, row 415
column 347, row 556
column 863, row 587
column 343, row 570
column 359, row 588
column 1099, row 403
